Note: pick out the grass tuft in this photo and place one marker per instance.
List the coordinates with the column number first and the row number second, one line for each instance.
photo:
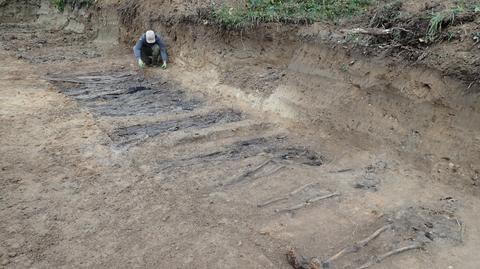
column 286, row 11
column 447, row 17
column 60, row 4
column 439, row 19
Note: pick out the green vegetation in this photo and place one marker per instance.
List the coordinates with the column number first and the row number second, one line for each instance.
column 451, row 36
column 60, row 4
column 287, row 11
column 439, row 19
column 447, row 17
column 476, row 37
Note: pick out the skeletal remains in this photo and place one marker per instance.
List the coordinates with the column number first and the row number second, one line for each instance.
column 307, row 202
column 409, row 229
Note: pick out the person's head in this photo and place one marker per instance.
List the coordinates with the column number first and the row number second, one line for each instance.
column 150, row 36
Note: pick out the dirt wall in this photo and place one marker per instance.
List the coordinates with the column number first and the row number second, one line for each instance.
column 414, row 110
column 18, row 11
column 73, row 19
column 374, row 101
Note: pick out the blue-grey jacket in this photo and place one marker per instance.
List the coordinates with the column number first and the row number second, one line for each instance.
column 143, row 42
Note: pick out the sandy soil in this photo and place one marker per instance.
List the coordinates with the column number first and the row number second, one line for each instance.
column 104, row 166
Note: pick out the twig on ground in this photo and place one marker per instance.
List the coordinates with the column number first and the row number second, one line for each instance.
column 379, row 259
column 355, row 247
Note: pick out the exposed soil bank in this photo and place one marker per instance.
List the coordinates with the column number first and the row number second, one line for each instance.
column 248, row 147
column 370, row 100
column 18, row 11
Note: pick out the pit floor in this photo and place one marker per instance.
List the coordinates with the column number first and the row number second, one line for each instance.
column 105, row 166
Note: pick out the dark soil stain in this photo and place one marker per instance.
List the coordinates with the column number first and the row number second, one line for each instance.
column 120, row 94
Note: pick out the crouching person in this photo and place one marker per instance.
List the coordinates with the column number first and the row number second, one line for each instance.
column 150, row 50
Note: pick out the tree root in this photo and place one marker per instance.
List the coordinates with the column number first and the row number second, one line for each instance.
column 375, row 31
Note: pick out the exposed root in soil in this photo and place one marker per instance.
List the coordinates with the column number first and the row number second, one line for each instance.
column 128, row 10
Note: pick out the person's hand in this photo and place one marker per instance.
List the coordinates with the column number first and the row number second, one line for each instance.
column 164, row 65
column 141, row 64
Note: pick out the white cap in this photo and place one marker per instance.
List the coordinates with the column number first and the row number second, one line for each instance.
column 150, row 36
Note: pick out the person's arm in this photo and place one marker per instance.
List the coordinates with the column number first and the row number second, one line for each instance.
column 137, row 50
column 163, row 49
